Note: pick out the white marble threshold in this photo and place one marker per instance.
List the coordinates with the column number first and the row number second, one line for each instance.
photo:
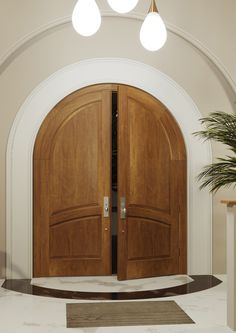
column 110, row 283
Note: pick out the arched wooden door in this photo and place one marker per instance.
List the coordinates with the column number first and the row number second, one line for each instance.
column 72, row 175
column 152, row 188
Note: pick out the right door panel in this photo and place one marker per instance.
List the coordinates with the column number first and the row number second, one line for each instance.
column 152, row 187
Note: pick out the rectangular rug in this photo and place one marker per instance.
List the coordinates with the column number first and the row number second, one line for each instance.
column 125, row 314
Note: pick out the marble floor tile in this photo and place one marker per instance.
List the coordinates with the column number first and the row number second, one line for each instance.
column 34, row 314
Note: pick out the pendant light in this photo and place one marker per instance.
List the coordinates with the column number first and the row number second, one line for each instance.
column 153, row 32
column 86, row 17
column 122, row 6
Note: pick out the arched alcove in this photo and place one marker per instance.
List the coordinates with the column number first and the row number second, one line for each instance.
column 39, row 104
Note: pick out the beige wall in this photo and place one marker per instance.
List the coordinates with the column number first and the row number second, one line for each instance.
column 118, row 37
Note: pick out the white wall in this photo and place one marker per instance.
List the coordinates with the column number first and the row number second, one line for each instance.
column 209, row 24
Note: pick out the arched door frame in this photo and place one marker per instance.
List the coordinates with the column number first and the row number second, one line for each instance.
column 40, row 102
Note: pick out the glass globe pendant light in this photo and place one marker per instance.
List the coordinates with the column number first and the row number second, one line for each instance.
column 153, row 32
column 122, row 6
column 86, row 17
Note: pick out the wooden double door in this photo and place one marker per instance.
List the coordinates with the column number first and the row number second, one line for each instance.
column 72, row 187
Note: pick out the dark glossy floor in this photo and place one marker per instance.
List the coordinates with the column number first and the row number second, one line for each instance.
column 199, row 283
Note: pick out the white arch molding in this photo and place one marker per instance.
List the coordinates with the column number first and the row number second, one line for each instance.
column 40, row 102
column 28, row 39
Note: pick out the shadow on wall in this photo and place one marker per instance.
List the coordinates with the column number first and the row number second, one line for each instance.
column 2, row 265
column 15, row 269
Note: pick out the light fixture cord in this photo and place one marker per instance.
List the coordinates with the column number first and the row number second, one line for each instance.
column 153, row 7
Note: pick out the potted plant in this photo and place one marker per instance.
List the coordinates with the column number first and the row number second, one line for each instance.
column 221, row 127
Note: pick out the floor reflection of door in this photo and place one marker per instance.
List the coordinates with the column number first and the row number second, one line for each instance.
column 73, row 186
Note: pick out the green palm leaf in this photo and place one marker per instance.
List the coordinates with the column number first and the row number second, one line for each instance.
column 220, row 127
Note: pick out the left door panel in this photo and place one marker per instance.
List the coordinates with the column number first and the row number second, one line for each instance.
column 72, row 176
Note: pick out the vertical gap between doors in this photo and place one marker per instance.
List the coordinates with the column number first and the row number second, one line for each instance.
column 114, row 182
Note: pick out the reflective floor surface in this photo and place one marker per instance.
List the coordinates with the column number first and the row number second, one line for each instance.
column 23, row 312
column 108, row 288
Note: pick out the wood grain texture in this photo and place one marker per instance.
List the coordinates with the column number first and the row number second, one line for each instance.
column 73, row 236
column 152, row 240
column 71, row 176
column 229, row 202
column 139, row 230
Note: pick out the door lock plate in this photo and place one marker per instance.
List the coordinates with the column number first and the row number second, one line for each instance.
column 106, row 207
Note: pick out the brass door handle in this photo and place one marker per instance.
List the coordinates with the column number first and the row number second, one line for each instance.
column 123, row 211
